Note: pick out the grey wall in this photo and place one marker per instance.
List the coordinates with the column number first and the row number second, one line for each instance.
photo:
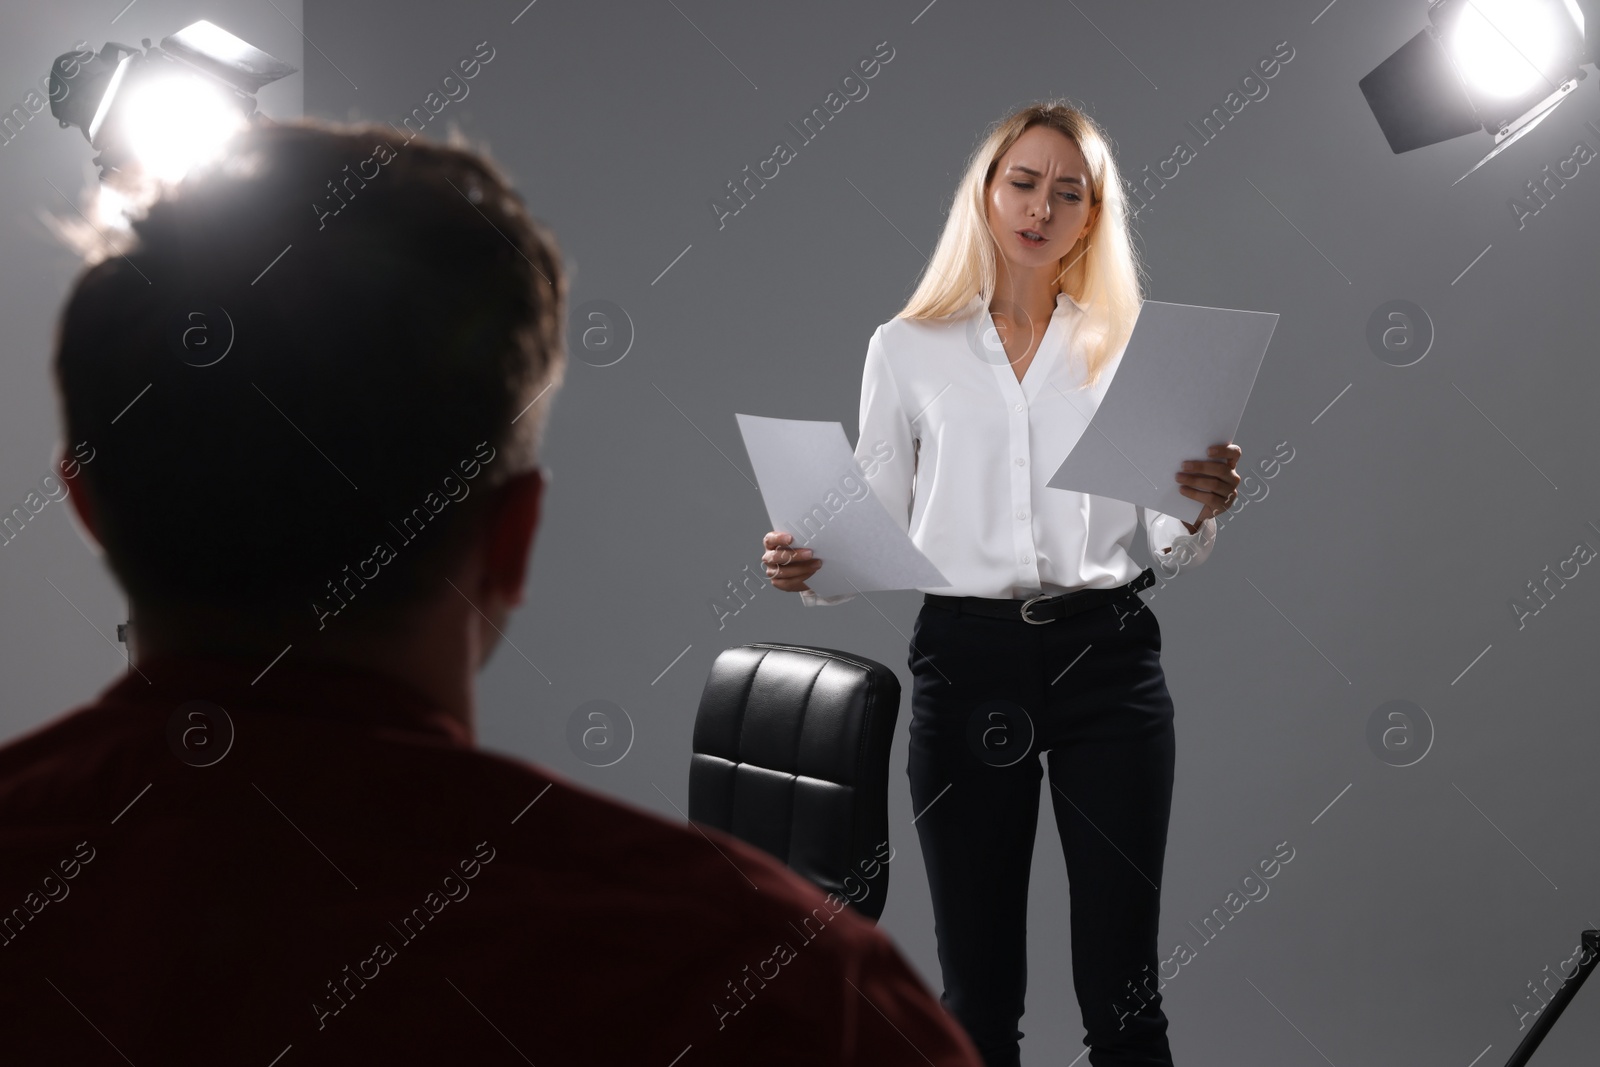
column 1380, row 564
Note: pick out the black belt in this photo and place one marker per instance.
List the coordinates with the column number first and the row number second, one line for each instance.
column 1041, row 609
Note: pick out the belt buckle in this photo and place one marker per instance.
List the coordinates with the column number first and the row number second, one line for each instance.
column 1028, row 604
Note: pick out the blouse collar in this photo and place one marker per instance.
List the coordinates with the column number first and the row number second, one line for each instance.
column 1061, row 298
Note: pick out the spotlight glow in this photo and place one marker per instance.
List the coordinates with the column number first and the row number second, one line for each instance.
column 112, row 209
column 175, row 123
column 1501, row 46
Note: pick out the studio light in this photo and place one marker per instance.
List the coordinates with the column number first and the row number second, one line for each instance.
column 1499, row 66
column 161, row 110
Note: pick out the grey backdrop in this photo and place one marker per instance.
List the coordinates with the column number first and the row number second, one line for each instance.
column 1379, row 564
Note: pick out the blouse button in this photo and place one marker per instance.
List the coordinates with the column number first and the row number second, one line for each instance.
column 1022, row 513
column 1019, row 461
column 1025, row 559
column 1019, row 407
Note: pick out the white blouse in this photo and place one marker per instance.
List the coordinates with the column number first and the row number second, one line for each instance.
column 960, row 450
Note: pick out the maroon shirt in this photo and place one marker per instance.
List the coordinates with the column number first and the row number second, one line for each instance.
column 347, row 880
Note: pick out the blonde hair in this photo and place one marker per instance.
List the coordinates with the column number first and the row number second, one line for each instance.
column 1104, row 276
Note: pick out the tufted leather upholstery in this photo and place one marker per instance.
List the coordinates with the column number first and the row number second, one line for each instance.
column 791, row 754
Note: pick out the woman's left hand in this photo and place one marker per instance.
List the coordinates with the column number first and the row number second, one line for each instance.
column 1213, row 482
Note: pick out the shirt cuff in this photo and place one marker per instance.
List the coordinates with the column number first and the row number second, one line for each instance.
column 1168, row 531
column 811, row 600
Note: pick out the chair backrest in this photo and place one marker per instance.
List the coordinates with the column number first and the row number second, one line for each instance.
column 791, row 754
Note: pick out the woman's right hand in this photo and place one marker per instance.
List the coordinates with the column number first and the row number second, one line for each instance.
column 787, row 567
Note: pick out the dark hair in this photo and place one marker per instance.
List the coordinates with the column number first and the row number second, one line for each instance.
column 395, row 319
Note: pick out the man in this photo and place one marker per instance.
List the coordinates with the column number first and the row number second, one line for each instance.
column 313, row 381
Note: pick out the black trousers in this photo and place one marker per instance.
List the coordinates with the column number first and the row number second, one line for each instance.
column 989, row 696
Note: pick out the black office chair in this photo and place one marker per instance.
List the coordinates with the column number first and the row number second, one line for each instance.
column 791, row 754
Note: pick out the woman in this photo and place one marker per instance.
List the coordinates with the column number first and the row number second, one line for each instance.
column 971, row 398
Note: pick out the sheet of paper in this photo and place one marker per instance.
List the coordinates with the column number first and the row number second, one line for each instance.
column 814, row 490
column 1181, row 386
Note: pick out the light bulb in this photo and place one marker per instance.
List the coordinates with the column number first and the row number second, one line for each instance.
column 1503, row 46
column 173, row 123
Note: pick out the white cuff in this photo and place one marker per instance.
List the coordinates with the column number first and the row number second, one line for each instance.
column 811, row 600
column 1187, row 548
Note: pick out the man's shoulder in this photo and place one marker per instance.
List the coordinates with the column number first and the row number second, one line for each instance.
column 71, row 745
column 678, row 919
column 93, row 759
